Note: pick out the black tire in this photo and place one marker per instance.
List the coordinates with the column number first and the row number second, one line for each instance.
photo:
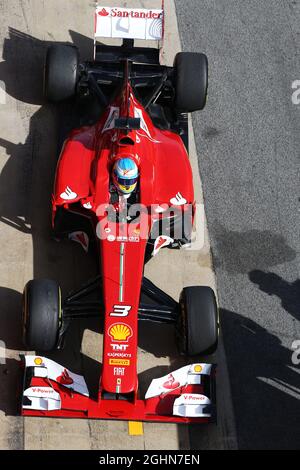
column 197, row 326
column 191, row 81
column 41, row 315
column 61, row 72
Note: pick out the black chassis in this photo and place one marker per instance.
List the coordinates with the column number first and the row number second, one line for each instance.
column 153, row 84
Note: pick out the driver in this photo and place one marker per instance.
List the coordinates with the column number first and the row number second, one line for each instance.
column 125, row 175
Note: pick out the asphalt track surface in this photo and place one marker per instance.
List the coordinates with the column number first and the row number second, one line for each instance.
column 248, row 142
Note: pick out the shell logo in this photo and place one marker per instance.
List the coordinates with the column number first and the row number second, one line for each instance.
column 120, row 332
column 38, row 361
column 198, row 369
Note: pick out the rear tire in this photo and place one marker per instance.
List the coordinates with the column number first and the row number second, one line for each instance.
column 191, row 81
column 41, row 315
column 197, row 326
column 61, row 72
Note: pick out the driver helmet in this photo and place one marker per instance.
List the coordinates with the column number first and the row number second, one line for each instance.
column 125, row 175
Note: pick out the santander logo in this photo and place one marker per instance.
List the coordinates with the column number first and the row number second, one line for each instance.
column 103, row 12
column 64, row 378
column 127, row 13
column 160, row 242
column 171, row 383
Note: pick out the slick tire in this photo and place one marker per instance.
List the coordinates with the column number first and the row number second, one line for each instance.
column 61, row 72
column 191, row 81
column 197, row 325
column 41, row 315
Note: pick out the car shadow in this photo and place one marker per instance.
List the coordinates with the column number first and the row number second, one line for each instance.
column 287, row 292
column 11, row 374
column 11, row 319
column 26, row 183
column 263, row 378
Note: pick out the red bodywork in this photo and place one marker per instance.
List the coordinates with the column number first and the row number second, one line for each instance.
column 84, row 174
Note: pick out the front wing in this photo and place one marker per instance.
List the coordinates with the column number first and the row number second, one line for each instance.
column 184, row 396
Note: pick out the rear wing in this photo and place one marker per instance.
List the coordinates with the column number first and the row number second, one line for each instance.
column 129, row 23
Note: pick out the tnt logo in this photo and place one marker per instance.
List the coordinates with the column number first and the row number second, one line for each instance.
column 119, row 347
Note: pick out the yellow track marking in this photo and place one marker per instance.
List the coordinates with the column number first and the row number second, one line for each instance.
column 135, row 428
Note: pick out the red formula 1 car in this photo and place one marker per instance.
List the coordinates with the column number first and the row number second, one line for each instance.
column 144, row 119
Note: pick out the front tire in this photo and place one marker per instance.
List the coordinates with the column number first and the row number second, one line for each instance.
column 197, row 326
column 41, row 315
